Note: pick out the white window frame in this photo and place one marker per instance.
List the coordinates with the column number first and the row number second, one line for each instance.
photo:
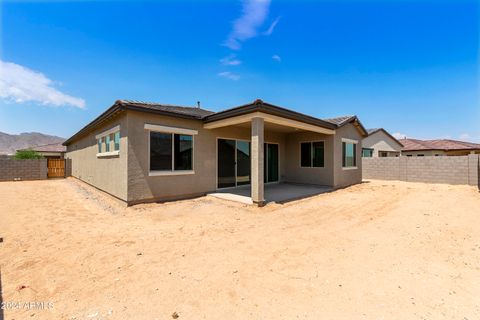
column 102, row 136
column 311, row 154
column 172, row 131
column 356, row 149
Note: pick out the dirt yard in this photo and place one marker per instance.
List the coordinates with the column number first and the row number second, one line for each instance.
column 379, row 250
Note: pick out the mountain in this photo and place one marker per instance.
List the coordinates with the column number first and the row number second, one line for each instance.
column 9, row 143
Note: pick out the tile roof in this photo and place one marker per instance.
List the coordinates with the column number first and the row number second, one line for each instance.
column 207, row 115
column 194, row 112
column 438, row 144
column 53, row 147
column 339, row 120
column 370, row 131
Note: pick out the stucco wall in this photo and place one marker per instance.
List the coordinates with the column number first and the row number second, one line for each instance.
column 379, row 141
column 127, row 176
column 297, row 174
column 343, row 176
column 141, row 186
column 108, row 174
column 452, row 170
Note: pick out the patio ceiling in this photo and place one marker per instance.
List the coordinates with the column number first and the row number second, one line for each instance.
column 269, row 119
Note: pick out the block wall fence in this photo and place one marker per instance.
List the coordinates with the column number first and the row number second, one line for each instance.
column 451, row 170
column 27, row 169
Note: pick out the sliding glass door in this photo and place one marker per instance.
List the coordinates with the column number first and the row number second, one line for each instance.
column 233, row 163
column 243, row 162
column 226, row 163
column 270, row 165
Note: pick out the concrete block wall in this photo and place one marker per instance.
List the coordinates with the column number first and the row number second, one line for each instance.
column 31, row 169
column 382, row 168
column 451, row 170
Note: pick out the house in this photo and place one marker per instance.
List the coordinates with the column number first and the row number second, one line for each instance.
column 50, row 151
column 380, row 143
column 440, row 147
column 143, row 152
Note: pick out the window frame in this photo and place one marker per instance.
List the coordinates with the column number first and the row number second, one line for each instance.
column 103, row 138
column 311, row 142
column 172, row 131
column 99, row 145
column 355, row 158
column 114, row 143
column 366, row 149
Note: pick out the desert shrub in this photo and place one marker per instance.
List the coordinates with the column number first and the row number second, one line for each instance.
column 27, row 154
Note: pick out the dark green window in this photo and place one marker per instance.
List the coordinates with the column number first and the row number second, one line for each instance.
column 367, row 152
column 349, row 154
column 160, row 151
column 312, row 154
column 170, row 151
column 183, row 147
column 116, row 140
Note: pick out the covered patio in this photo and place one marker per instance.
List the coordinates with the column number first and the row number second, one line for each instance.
column 257, row 165
column 276, row 192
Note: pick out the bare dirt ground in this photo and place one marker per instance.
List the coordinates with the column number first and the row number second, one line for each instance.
column 379, row 250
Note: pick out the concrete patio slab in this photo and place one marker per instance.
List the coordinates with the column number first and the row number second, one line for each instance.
column 278, row 192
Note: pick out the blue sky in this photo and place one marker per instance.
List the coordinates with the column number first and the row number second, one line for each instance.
column 411, row 67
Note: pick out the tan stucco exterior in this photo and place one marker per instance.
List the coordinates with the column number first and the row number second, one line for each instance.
column 346, row 176
column 379, row 141
column 127, row 176
column 105, row 173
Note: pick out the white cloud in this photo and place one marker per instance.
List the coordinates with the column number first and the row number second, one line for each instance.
column 20, row 84
column 468, row 137
column 465, row 136
column 230, row 60
column 272, row 27
column 229, row 75
column 254, row 14
column 277, row 58
column 398, row 135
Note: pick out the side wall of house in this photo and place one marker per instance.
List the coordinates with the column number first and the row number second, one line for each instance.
column 143, row 187
column 297, row 174
column 347, row 176
column 379, row 141
column 106, row 173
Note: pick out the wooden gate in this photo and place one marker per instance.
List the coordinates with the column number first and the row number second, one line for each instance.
column 56, row 168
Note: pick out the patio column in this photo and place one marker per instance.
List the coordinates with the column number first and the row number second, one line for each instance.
column 257, row 161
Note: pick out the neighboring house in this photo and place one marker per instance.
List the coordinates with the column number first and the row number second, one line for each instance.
column 380, row 143
column 50, row 151
column 441, row 147
column 142, row 152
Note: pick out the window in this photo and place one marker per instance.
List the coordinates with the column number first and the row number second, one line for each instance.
column 171, row 152
column 420, row 155
column 116, row 140
column 312, row 154
column 183, row 146
column 367, row 152
column 409, row 155
column 383, row 154
column 107, row 143
column 349, row 154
